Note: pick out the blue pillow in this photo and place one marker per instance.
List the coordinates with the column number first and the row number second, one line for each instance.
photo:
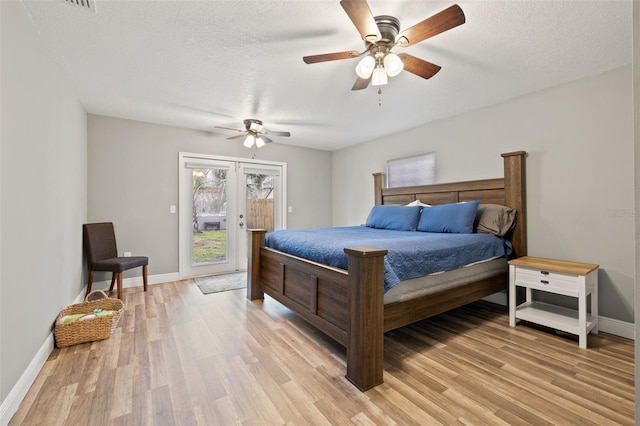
column 398, row 218
column 454, row 218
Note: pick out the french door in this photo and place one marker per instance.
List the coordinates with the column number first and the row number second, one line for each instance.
column 220, row 198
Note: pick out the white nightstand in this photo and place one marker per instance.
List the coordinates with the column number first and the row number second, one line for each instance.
column 559, row 277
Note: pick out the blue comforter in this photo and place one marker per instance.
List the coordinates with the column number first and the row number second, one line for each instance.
column 411, row 254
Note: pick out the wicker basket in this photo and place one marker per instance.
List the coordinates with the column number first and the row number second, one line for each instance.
column 89, row 330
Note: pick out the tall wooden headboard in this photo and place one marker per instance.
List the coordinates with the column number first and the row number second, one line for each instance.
column 509, row 190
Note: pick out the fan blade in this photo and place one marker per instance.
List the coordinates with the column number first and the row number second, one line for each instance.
column 266, row 139
column 361, row 83
column 228, row 128
column 361, row 16
column 236, row 137
column 270, row 132
column 418, row 66
column 436, row 24
column 325, row 57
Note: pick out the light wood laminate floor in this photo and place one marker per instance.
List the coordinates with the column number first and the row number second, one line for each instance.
column 181, row 357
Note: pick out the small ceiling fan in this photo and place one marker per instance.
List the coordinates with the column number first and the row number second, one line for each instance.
column 255, row 133
column 380, row 35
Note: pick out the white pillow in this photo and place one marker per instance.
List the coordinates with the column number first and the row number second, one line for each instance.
column 418, row 203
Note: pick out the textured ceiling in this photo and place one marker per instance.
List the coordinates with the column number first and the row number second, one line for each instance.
column 200, row 64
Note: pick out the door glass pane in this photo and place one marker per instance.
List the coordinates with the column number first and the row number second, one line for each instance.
column 260, row 195
column 209, row 216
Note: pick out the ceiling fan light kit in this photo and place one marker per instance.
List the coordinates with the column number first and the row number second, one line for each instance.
column 248, row 142
column 378, row 70
column 379, row 76
column 392, row 64
column 382, row 33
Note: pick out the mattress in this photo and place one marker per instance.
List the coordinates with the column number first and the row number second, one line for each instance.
column 416, row 287
column 411, row 254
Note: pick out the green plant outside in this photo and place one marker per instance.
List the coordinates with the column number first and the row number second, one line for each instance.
column 209, row 246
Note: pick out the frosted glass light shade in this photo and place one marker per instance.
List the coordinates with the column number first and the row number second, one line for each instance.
column 393, row 64
column 365, row 67
column 248, row 142
column 259, row 142
column 379, row 76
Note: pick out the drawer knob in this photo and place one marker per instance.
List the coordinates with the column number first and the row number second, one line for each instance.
column 544, row 282
column 544, row 272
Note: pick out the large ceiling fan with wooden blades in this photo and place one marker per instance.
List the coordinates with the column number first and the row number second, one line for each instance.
column 254, row 133
column 380, row 35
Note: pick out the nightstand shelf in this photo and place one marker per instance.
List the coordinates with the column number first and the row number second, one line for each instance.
column 572, row 279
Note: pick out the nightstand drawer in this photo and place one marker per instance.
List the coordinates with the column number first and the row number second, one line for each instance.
column 566, row 288
column 553, row 282
column 536, row 274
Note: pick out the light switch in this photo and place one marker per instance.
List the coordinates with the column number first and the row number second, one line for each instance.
column 172, row 209
column 290, row 209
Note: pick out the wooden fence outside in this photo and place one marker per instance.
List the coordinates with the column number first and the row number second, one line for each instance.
column 260, row 214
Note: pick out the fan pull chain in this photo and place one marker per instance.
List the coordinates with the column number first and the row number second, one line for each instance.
column 379, row 97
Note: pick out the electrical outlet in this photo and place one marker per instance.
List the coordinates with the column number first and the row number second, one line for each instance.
column 127, row 254
column 290, row 210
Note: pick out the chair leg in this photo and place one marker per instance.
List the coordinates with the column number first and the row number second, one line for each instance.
column 119, row 279
column 144, row 276
column 89, row 283
column 113, row 280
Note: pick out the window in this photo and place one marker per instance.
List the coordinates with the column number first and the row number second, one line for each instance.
column 412, row 171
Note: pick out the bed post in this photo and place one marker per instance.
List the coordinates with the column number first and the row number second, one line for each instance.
column 365, row 329
column 378, row 183
column 256, row 242
column 516, row 197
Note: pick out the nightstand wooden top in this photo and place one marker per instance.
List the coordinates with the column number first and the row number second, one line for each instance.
column 554, row 265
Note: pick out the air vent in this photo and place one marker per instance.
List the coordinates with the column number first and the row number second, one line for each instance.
column 85, row 4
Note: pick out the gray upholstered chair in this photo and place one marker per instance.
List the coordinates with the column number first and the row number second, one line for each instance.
column 99, row 240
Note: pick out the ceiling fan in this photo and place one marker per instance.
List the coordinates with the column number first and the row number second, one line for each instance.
column 255, row 133
column 380, row 35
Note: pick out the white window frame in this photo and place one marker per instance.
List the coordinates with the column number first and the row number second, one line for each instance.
column 415, row 170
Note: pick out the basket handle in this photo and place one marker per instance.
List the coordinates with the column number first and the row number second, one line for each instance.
column 96, row 292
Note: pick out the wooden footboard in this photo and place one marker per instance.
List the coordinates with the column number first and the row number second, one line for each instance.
column 349, row 305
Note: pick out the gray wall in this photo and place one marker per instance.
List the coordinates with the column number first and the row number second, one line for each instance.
column 43, row 194
column 133, row 179
column 579, row 172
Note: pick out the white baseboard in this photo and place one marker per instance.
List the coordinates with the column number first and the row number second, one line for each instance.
column 137, row 281
column 12, row 402
column 617, row 327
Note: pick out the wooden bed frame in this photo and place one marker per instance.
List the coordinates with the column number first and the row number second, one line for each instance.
column 348, row 305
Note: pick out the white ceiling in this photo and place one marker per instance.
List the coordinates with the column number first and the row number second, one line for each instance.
column 200, row 64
